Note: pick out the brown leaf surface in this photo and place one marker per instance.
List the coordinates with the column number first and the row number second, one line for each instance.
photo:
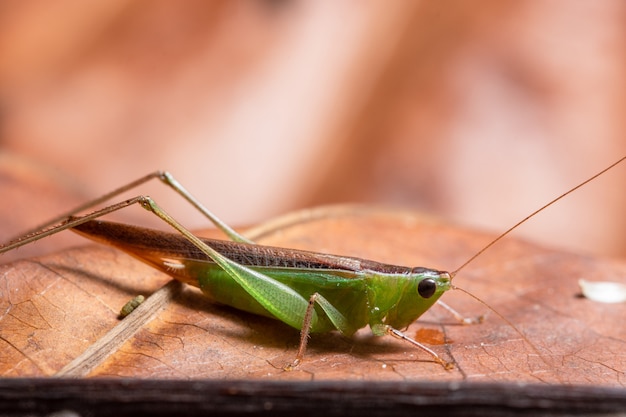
column 54, row 308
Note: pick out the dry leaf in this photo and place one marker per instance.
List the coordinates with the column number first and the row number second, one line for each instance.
column 56, row 307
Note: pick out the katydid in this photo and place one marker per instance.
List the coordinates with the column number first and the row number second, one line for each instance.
column 309, row 291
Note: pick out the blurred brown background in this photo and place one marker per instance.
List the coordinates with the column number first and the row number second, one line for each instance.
column 478, row 112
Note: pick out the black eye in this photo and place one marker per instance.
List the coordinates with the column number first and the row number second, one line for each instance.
column 427, row 287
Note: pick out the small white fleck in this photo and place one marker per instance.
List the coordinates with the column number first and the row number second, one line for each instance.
column 603, row 291
column 173, row 264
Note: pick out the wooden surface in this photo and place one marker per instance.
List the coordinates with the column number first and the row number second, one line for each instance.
column 102, row 397
column 56, row 307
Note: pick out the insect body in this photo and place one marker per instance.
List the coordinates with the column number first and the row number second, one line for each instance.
column 345, row 293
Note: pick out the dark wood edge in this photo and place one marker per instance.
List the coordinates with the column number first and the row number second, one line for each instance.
column 126, row 397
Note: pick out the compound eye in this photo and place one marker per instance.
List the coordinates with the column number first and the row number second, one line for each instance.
column 427, row 287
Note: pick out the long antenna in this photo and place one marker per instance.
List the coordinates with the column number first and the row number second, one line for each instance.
column 516, row 225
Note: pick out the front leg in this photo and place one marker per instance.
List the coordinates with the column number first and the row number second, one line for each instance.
column 384, row 329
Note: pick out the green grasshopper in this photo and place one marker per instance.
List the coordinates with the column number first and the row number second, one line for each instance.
column 309, row 291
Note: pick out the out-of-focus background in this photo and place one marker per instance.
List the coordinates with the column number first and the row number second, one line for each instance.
column 478, row 111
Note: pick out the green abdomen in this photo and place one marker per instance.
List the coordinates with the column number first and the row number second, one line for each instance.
column 345, row 290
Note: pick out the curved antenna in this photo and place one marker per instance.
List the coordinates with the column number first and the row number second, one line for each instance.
column 516, row 225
